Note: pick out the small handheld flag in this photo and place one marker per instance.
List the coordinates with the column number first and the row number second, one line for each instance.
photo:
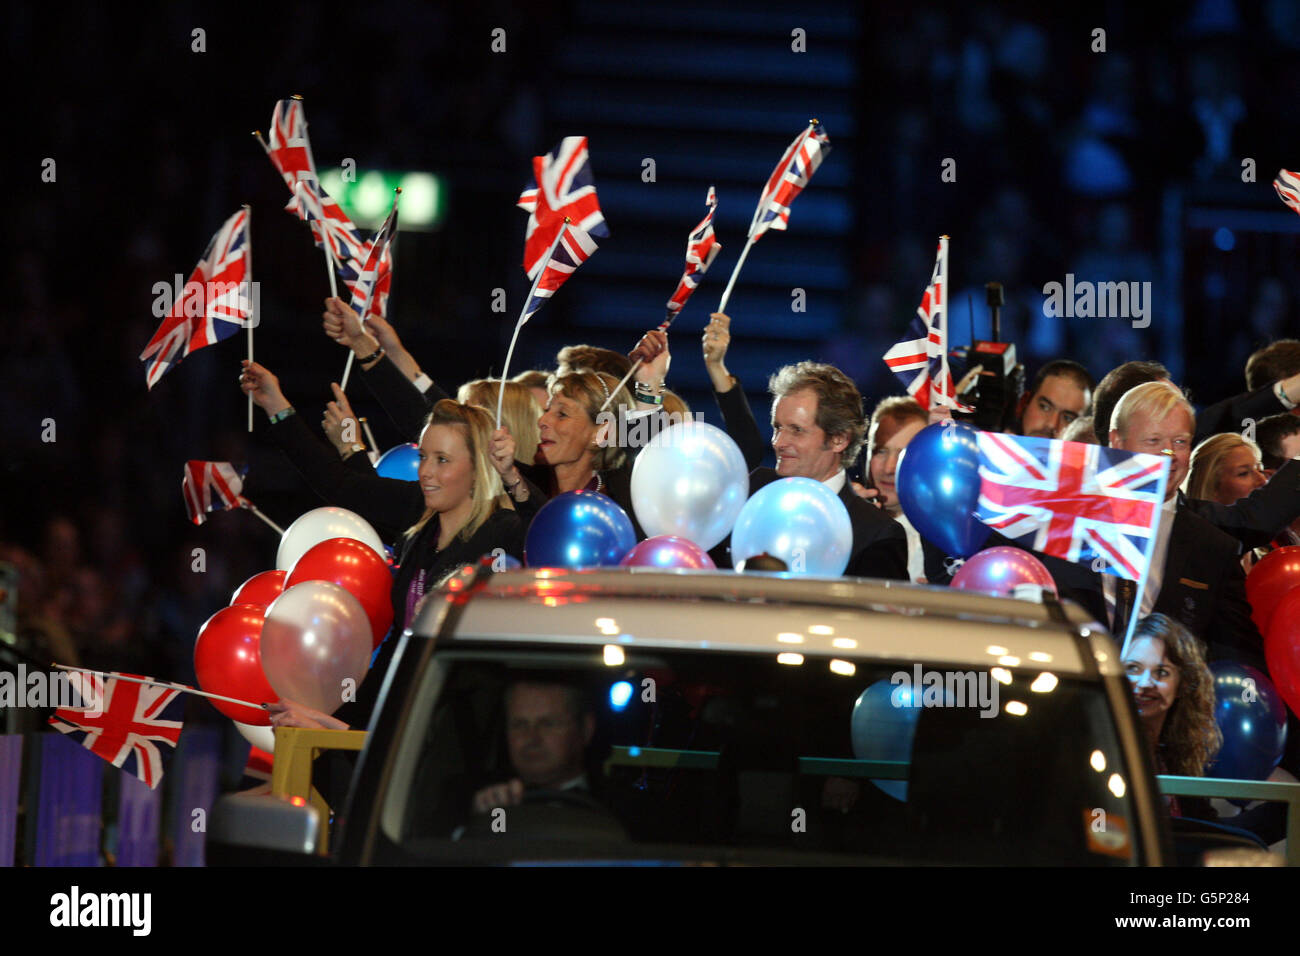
column 216, row 486
column 802, row 158
column 215, row 303
column 702, row 247
column 921, row 361
column 563, row 189
column 375, row 278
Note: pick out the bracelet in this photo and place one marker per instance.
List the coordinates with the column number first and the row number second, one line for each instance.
column 645, row 395
column 510, row 488
column 379, row 353
column 1282, row 397
column 282, row 414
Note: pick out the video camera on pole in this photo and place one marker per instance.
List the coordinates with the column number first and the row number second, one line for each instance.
column 999, row 380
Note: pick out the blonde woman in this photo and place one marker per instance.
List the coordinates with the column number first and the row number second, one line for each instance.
column 451, row 516
column 519, row 411
column 1224, row 468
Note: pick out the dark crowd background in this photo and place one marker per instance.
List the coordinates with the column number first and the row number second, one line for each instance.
column 1125, row 165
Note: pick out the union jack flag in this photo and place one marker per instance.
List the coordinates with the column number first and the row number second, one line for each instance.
column 314, row 205
column 572, row 250
column 214, row 304
column 370, row 290
column 563, row 187
column 789, row 178
column 1287, row 185
column 211, row 486
column 702, row 247
column 1075, row 501
column 921, row 362
column 123, row 722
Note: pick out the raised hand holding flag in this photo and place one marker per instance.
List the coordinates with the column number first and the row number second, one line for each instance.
column 788, row 179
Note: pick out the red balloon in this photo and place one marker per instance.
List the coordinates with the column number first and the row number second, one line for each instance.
column 1269, row 581
column 354, row 567
column 228, row 661
column 261, row 589
column 1282, row 649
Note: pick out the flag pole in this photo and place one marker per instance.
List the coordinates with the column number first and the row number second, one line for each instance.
column 370, row 295
column 663, row 327
column 373, row 452
column 269, row 523
column 519, row 323
column 161, row 683
column 248, row 271
column 726, row 293
column 329, row 257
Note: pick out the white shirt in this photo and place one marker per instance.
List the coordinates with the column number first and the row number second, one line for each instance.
column 1155, row 576
column 836, row 481
column 915, row 556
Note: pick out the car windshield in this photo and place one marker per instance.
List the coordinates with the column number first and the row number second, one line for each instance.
column 516, row 754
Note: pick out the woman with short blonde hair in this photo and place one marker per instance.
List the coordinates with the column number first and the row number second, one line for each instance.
column 519, row 410
column 1224, row 468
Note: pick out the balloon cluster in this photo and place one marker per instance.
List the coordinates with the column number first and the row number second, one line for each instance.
column 303, row 630
column 1273, row 589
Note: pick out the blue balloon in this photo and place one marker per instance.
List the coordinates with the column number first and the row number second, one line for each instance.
column 883, row 727
column 798, row 520
column 1252, row 718
column 401, row 462
column 579, row 529
column 939, row 487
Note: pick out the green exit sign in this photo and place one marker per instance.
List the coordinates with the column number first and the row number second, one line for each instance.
column 367, row 197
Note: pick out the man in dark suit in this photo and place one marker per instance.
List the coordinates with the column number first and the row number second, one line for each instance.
column 818, row 427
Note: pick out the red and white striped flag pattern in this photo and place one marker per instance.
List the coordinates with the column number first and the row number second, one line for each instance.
column 922, row 360
column 211, row 486
column 214, row 305
column 563, row 187
column 1287, row 185
column 702, row 247
column 788, row 180
column 123, row 722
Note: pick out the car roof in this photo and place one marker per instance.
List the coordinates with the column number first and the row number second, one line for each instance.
column 846, row 619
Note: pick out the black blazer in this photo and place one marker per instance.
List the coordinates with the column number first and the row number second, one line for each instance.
column 1229, row 414
column 405, row 404
column 738, row 419
column 879, row 542
column 1262, row 515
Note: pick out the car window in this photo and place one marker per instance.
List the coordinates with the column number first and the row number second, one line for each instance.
column 695, row 756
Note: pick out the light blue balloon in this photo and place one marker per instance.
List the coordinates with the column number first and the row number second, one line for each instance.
column 883, row 728
column 401, row 462
column 798, row 520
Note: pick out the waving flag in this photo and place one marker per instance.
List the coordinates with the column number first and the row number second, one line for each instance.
column 211, row 486
column 123, row 722
column 789, row 178
column 375, row 278
column 1076, row 501
column 701, row 249
column 573, row 249
column 1287, row 185
column 214, row 305
column 921, row 362
column 563, row 188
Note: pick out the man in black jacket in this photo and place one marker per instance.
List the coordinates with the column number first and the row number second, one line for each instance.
column 818, row 427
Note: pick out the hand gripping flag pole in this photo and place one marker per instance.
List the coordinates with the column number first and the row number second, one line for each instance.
column 374, row 262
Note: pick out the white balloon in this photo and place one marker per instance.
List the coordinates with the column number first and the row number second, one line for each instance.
column 690, row 481
column 263, row 738
column 315, row 639
column 321, row 524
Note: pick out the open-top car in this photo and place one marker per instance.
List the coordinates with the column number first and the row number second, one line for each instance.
column 747, row 718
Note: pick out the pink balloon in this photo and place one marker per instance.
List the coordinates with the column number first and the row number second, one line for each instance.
column 316, row 637
column 668, row 551
column 999, row 570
